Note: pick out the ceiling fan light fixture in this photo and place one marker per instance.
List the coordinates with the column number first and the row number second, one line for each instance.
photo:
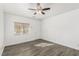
column 39, row 9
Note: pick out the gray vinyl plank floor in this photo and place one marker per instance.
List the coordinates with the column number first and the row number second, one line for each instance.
column 29, row 49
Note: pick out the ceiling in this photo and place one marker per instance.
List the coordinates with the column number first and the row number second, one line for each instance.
column 22, row 9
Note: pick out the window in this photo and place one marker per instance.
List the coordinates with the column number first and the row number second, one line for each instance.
column 21, row 27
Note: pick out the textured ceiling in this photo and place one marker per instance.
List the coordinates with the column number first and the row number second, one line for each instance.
column 22, row 9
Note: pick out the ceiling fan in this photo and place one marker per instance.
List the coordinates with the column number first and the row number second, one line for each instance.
column 39, row 9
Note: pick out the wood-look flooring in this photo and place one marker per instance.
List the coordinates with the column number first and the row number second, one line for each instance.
column 28, row 49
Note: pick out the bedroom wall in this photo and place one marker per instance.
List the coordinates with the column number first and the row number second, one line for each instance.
column 62, row 29
column 1, row 30
column 10, row 36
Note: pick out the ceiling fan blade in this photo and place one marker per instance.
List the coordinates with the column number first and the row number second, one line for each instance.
column 38, row 3
column 31, row 9
column 46, row 9
column 43, row 13
column 35, row 13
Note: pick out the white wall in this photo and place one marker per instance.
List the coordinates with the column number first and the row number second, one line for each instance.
column 1, row 30
column 10, row 36
column 62, row 29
